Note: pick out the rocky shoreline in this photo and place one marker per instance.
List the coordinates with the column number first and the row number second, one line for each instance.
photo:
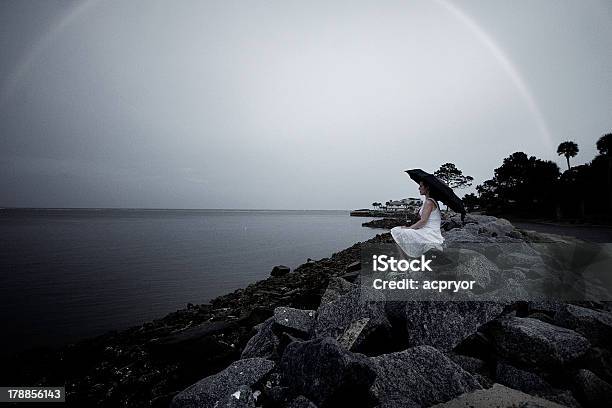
column 302, row 338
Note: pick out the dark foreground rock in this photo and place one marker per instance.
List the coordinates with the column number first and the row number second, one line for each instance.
column 593, row 324
column 361, row 325
column 500, row 397
column 280, row 270
column 532, row 342
column 208, row 391
column 592, row 390
column 445, row 324
column 327, row 374
column 419, row 377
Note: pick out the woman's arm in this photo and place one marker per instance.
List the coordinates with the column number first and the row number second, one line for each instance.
column 427, row 209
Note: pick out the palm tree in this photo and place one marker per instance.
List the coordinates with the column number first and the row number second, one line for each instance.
column 567, row 149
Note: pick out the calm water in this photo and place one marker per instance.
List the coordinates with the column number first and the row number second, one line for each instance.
column 68, row 274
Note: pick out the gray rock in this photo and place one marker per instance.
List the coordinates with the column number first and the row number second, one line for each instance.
column 445, row 324
column 352, row 277
column 500, row 397
column 463, row 235
column 515, row 273
column 490, row 250
column 563, row 397
column 264, row 344
column 519, row 259
column 592, row 390
column 497, row 227
column 472, row 365
column 542, row 316
column 336, row 288
column 593, row 324
column 301, row 402
column 535, row 343
column 510, row 291
column 419, row 376
column 599, row 361
column 521, row 380
column 242, row 397
column 294, row 321
column 209, row 390
column 352, row 333
column 326, row 373
column 549, row 307
column 472, row 265
column 447, row 225
column 280, row 270
column 335, row 318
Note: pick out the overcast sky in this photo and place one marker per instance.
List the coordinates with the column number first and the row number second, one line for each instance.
column 288, row 104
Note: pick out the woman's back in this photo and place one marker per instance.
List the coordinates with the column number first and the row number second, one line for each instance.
column 435, row 217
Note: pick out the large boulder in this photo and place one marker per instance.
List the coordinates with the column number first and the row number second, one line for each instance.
column 458, row 236
column 326, row 373
column 294, row 321
column 242, row 397
column 599, row 361
column 593, row 324
column 519, row 259
column 592, row 390
column 472, row 265
column 500, row 397
column 339, row 316
column 301, row 402
column 336, row 287
column 532, row 342
column 445, row 324
column 419, row 377
column 495, row 227
column 266, row 343
column 280, row 270
column 521, row 380
column 208, row 391
column 263, row 344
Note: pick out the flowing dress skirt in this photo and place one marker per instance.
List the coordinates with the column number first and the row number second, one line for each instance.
column 414, row 242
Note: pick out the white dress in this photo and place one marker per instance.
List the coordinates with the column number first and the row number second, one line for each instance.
column 414, row 242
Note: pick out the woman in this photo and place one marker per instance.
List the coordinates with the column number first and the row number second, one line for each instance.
column 424, row 234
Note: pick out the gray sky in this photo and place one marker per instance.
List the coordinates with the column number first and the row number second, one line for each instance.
column 288, row 104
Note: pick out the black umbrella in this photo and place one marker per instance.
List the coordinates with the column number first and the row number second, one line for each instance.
column 438, row 190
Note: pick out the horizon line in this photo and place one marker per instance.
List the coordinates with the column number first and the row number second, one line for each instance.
column 166, row 209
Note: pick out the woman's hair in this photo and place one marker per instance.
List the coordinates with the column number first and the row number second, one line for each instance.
column 428, row 187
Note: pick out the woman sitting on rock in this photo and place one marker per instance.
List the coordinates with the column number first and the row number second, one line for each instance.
column 424, row 234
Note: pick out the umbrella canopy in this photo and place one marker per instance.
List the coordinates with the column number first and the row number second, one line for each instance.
column 438, row 190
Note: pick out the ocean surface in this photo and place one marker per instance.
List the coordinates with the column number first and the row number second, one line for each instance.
column 70, row 274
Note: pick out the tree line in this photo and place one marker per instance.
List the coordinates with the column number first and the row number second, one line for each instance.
column 527, row 186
